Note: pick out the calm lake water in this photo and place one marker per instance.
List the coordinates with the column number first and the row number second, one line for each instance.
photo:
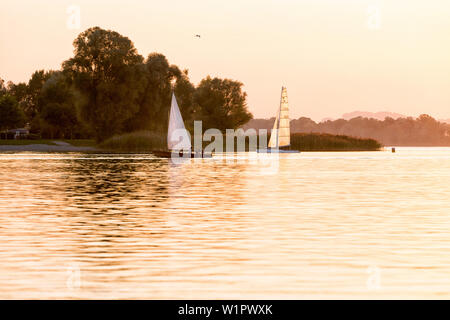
column 309, row 225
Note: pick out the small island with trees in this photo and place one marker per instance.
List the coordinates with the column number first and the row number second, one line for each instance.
column 110, row 97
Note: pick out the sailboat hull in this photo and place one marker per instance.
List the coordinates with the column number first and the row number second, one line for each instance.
column 168, row 154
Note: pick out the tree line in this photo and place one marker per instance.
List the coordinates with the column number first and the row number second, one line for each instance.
column 421, row 131
column 108, row 88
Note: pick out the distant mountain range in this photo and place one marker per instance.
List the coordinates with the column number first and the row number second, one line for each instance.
column 375, row 115
column 381, row 115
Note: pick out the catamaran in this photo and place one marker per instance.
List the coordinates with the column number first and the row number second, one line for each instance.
column 178, row 138
column 280, row 136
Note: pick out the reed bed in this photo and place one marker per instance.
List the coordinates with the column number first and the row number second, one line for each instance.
column 329, row 142
column 146, row 141
column 140, row 141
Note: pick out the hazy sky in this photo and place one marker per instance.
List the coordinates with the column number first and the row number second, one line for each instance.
column 334, row 56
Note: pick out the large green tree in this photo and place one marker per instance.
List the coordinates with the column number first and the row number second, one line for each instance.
column 106, row 68
column 57, row 103
column 28, row 95
column 20, row 92
column 11, row 116
column 156, row 75
column 58, row 120
column 222, row 104
column 35, row 85
column 154, row 103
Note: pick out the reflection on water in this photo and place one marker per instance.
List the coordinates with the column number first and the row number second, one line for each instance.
column 316, row 225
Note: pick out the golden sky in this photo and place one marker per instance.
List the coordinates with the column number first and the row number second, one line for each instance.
column 334, row 56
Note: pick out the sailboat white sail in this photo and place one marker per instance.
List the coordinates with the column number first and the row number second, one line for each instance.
column 178, row 137
column 281, row 133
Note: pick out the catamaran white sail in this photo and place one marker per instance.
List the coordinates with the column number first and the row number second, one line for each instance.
column 281, row 133
column 178, row 137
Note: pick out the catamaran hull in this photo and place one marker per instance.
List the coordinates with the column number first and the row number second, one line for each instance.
column 276, row 151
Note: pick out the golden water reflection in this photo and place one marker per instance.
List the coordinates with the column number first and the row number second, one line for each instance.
column 316, row 225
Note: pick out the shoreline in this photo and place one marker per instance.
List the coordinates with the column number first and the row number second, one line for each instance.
column 70, row 148
column 57, row 146
column 62, row 146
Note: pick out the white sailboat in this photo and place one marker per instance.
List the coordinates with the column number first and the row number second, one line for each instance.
column 281, row 133
column 178, row 138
